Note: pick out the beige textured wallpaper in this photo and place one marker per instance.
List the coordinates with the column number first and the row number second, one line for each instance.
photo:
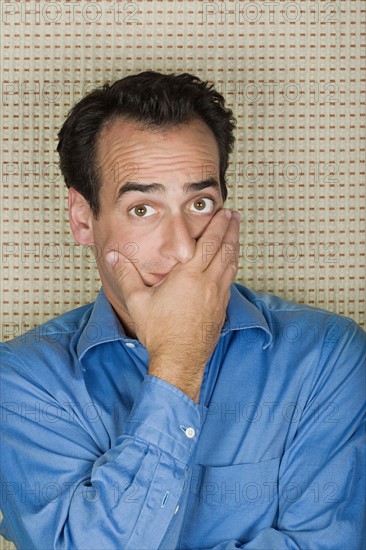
column 294, row 74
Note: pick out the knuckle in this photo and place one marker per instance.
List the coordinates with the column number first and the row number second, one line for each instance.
column 214, row 240
column 212, row 288
column 235, row 268
column 192, row 275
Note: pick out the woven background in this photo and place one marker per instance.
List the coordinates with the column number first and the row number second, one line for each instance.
column 293, row 72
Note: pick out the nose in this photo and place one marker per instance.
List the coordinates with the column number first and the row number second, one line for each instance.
column 178, row 239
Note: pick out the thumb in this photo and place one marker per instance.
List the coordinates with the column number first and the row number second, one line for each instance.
column 127, row 276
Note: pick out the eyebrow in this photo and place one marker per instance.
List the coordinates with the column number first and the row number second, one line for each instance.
column 189, row 187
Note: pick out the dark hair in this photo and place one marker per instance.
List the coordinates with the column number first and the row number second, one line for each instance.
column 153, row 99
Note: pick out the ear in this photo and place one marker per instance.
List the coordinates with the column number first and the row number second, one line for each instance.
column 80, row 217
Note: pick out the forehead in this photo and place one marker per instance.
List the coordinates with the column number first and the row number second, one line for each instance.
column 125, row 146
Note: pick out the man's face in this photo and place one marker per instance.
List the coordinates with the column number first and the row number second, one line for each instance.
column 155, row 228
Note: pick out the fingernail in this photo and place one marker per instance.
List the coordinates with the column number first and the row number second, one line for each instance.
column 111, row 258
column 227, row 213
column 237, row 215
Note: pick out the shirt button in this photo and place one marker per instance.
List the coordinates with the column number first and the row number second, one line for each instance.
column 190, row 432
column 130, row 345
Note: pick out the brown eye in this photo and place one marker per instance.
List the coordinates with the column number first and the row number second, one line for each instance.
column 140, row 210
column 200, row 204
column 203, row 203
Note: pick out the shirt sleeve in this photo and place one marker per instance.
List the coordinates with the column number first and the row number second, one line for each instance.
column 322, row 478
column 57, row 492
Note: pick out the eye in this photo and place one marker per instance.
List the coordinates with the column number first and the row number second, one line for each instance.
column 201, row 204
column 141, row 211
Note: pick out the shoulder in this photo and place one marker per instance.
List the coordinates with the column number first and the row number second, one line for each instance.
column 304, row 330
column 320, row 353
column 282, row 313
column 46, row 343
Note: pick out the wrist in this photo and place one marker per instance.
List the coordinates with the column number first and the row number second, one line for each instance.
column 184, row 379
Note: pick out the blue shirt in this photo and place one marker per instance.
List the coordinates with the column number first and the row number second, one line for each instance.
column 98, row 454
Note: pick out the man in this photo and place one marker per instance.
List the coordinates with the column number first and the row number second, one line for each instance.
column 180, row 410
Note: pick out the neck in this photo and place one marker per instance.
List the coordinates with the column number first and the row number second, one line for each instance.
column 128, row 325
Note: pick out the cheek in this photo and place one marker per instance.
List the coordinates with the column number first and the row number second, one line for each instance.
column 137, row 244
column 110, row 234
column 132, row 250
column 140, row 251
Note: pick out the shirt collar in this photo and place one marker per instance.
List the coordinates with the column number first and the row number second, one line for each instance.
column 243, row 314
column 104, row 326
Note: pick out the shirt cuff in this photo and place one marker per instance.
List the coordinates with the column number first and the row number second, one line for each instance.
column 166, row 417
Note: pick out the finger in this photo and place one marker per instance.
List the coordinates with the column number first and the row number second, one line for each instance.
column 228, row 255
column 210, row 241
column 228, row 276
column 127, row 276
